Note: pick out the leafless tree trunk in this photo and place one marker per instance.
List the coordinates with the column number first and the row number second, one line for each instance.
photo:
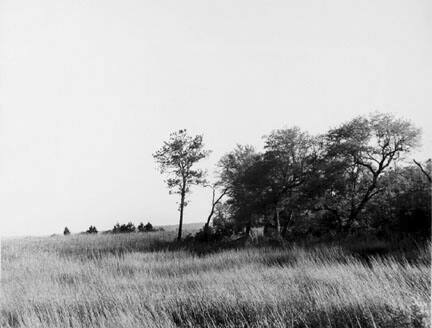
column 183, row 194
column 277, row 219
column 285, row 227
column 214, row 203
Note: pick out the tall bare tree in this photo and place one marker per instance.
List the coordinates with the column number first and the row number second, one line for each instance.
column 176, row 159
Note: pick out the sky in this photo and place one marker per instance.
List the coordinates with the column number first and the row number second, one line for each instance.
column 90, row 89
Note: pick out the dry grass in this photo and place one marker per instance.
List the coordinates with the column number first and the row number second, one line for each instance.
column 116, row 281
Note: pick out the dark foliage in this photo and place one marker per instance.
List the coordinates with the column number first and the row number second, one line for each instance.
column 345, row 182
column 146, row 228
column 92, row 229
column 124, row 228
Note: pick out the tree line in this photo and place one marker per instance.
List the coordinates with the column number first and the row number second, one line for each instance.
column 355, row 178
column 121, row 228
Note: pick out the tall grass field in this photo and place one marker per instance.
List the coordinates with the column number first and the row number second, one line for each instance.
column 128, row 280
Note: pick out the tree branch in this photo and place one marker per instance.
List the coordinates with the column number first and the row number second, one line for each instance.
column 428, row 176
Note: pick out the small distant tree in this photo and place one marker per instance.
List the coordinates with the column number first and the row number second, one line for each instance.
column 176, row 158
column 148, row 227
column 145, row 228
column 66, row 231
column 130, row 227
column 92, row 229
column 116, row 228
column 124, row 228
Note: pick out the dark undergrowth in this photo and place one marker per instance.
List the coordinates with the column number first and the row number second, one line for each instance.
column 365, row 249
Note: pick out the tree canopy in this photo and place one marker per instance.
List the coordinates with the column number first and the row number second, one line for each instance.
column 330, row 182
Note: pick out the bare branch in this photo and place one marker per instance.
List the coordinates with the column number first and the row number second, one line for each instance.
column 428, row 176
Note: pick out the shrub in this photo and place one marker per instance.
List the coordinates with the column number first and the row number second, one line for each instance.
column 92, row 229
column 124, row 228
column 146, row 228
column 223, row 226
column 220, row 230
column 66, row 231
column 207, row 234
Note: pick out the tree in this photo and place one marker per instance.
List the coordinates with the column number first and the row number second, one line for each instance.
column 124, row 228
column 290, row 156
column 242, row 172
column 116, row 228
column 404, row 206
column 145, row 228
column 427, row 171
column 215, row 201
column 359, row 152
column 66, row 231
column 92, row 229
column 176, row 159
column 148, row 227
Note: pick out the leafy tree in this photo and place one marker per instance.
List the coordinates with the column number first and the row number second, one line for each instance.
column 358, row 153
column 124, row 228
column 242, row 173
column 404, row 206
column 290, row 155
column 176, row 158
column 266, row 187
column 145, row 228
column 66, row 231
column 92, row 229
column 303, row 185
column 148, row 227
column 116, row 228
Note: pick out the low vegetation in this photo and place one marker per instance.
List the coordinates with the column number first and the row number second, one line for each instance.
column 142, row 280
column 92, row 229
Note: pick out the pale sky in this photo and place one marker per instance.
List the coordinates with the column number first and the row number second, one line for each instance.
column 90, row 89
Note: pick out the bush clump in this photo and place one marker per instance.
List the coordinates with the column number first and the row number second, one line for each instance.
column 92, row 229
column 146, row 228
column 124, row 228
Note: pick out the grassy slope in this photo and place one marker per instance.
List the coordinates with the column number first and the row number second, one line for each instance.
column 112, row 281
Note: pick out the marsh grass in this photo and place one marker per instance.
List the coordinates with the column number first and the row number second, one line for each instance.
column 136, row 280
